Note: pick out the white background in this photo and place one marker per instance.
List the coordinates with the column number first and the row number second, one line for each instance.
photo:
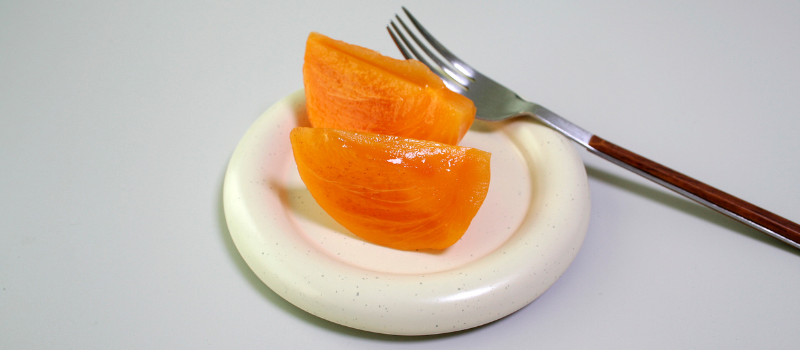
column 117, row 120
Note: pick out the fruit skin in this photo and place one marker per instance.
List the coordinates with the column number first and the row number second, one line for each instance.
column 401, row 193
column 353, row 88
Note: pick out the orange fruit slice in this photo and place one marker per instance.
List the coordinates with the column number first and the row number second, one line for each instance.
column 397, row 192
column 353, row 88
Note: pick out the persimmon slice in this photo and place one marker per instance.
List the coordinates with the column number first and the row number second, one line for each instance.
column 353, row 88
column 397, row 192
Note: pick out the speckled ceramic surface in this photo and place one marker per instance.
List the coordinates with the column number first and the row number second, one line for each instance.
column 524, row 237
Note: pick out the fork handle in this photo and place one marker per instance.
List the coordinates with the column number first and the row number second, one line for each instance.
column 754, row 216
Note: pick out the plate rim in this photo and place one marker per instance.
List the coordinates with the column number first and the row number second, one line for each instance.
column 383, row 302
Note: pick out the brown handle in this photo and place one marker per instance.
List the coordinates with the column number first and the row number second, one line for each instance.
column 745, row 212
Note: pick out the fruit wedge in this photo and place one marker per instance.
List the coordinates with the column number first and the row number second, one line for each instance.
column 353, row 88
column 397, row 192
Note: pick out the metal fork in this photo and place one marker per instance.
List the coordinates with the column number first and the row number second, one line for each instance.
column 495, row 102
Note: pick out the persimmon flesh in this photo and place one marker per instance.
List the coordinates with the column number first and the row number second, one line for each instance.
column 397, row 192
column 353, row 88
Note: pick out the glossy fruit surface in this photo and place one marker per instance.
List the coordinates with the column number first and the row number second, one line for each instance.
column 397, row 192
column 353, row 88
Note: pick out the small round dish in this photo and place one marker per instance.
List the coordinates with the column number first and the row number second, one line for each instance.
column 523, row 238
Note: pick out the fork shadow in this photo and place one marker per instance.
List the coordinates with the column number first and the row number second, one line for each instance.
column 686, row 206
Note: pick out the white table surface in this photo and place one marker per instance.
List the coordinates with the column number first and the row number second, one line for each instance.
column 117, row 120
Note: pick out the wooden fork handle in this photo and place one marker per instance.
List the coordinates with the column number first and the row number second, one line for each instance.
column 754, row 216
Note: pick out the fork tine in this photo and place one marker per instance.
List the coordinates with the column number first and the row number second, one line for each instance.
column 455, row 61
column 414, row 53
column 409, row 52
column 399, row 44
column 457, row 76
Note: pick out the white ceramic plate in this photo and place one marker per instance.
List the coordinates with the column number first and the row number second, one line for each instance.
column 527, row 232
